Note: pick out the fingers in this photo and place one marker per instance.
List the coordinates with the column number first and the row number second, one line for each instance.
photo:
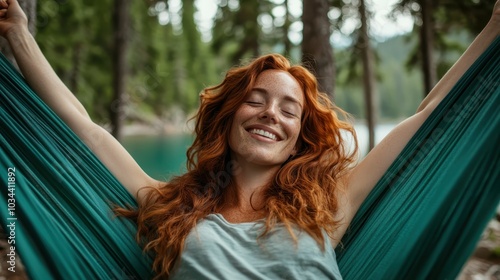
column 11, row 2
column 3, row 8
column 3, row 4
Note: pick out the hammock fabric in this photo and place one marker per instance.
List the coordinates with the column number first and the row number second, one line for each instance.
column 422, row 220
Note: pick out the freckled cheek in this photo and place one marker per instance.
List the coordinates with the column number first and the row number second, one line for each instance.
column 293, row 129
column 244, row 113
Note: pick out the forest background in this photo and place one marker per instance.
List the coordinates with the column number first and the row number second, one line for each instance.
column 145, row 62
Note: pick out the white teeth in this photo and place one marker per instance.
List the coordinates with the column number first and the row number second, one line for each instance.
column 264, row 133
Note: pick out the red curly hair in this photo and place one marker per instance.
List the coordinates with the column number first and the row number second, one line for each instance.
column 303, row 192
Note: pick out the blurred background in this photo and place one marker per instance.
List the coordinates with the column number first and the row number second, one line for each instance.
column 139, row 66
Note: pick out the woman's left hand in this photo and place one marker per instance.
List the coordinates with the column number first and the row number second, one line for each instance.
column 495, row 16
column 11, row 17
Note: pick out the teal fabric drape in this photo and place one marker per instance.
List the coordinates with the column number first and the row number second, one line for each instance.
column 422, row 220
column 426, row 214
column 65, row 228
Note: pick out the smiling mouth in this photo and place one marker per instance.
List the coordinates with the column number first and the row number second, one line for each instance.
column 264, row 133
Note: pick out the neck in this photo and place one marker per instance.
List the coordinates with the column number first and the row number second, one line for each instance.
column 249, row 182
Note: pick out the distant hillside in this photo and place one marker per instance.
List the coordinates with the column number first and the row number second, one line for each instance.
column 399, row 90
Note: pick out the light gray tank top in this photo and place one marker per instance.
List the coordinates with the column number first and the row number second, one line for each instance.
column 217, row 249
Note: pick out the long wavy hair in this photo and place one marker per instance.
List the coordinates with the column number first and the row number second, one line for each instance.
column 303, row 193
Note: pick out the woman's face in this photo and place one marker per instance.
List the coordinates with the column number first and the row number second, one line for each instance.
column 266, row 126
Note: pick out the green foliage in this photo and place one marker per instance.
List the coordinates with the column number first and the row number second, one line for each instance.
column 169, row 64
column 454, row 23
column 242, row 26
column 78, row 45
column 399, row 91
column 165, row 65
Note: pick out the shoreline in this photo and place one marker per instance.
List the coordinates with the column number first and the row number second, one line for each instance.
column 186, row 126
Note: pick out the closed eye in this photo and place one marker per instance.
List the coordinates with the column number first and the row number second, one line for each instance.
column 253, row 103
column 290, row 114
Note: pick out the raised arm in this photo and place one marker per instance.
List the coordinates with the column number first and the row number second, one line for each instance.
column 478, row 46
column 13, row 26
column 45, row 82
column 368, row 172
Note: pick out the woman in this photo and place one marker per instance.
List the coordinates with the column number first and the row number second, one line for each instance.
column 271, row 187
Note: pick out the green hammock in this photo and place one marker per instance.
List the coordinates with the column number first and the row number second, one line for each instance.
column 422, row 220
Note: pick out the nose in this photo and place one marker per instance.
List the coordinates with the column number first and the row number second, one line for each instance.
column 270, row 113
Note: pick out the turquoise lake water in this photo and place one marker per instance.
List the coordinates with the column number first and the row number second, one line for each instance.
column 164, row 156
column 160, row 156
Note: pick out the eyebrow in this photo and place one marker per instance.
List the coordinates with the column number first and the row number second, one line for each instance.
column 287, row 97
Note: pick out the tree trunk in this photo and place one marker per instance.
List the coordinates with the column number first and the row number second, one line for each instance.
column 317, row 52
column 426, row 46
column 368, row 75
column 29, row 7
column 247, row 18
column 121, row 21
column 286, row 29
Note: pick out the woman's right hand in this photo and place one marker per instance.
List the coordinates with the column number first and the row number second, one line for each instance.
column 11, row 17
column 496, row 11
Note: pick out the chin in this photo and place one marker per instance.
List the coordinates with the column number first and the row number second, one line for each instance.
column 265, row 160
